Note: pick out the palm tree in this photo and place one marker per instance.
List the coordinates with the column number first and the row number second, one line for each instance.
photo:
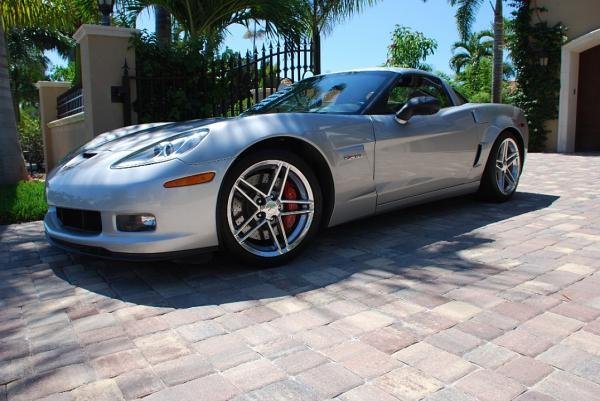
column 14, row 13
column 162, row 24
column 322, row 15
column 209, row 19
column 465, row 16
column 63, row 15
column 255, row 33
column 471, row 51
column 12, row 165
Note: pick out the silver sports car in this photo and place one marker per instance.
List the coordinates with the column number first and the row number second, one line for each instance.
column 326, row 150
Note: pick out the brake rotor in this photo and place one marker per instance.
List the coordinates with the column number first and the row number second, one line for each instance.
column 290, row 193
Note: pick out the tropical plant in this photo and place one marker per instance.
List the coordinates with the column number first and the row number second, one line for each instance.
column 66, row 73
column 64, row 16
column 30, row 134
column 26, row 60
column 320, row 17
column 469, row 52
column 206, row 21
column 410, row 49
column 538, row 86
column 465, row 16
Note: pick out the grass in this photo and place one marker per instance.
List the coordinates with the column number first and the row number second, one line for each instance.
column 22, row 202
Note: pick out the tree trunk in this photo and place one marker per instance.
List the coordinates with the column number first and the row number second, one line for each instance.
column 316, row 48
column 12, row 165
column 162, row 25
column 316, row 38
column 498, row 64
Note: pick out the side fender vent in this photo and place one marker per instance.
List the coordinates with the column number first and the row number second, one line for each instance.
column 478, row 155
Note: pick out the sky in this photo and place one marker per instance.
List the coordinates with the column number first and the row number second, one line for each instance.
column 362, row 40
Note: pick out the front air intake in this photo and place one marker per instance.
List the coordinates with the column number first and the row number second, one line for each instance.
column 88, row 221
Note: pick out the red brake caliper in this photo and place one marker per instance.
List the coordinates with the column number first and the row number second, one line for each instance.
column 289, row 193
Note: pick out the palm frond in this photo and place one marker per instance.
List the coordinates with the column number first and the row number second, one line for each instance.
column 333, row 12
column 63, row 15
column 210, row 18
column 465, row 15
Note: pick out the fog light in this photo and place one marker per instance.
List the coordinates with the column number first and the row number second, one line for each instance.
column 136, row 222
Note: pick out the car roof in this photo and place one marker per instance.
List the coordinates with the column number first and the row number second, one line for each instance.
column 397, row 70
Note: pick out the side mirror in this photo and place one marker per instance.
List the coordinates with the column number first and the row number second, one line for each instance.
column 421, row 105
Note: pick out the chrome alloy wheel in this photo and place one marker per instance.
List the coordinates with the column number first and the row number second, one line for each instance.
column 508, row 166
column 270, row 208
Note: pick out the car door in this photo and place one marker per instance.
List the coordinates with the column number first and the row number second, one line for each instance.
column 427, row 153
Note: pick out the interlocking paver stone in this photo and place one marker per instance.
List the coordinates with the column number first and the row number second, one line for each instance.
column 330, row 380
column 183, row 369
column 285, row 390
column 525, row 370
column 524, row 342
column 449, row 394
column 407, row 383
column 300, row 361
column 209, row 388
column 47, row 383
column 120, row 362
column 567, row 387
column 225, row 351
column 388, row 339
column 255, row 374
column 103, row 390
column 452, row 301
column 486, row 385
column 454, row 340
column 366, row 393
column 457, row 310
column 435, row 362
column 138, row 383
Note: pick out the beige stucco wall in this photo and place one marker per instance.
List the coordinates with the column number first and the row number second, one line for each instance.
column 104, row 50
column 65, row 135
column 579, row 16
column 49, row 91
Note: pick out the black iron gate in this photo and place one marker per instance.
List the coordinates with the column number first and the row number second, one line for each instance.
column 224, row 87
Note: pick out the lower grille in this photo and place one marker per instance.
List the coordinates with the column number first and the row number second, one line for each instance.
column 81, row 220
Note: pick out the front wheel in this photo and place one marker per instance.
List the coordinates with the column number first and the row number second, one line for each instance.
column 503, row 169
column 270, row 206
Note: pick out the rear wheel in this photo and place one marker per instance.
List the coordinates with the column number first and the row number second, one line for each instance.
column 270, row 207
column 503, row 169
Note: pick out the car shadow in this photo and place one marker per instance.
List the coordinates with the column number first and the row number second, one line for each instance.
column 414, row 243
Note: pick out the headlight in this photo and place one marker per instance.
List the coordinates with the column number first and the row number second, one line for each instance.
column 167, row 149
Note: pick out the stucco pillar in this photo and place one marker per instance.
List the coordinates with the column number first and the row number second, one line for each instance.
column 104, row 50
column 49, row 91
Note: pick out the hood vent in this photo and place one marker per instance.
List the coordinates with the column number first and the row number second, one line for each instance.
column 88, row 155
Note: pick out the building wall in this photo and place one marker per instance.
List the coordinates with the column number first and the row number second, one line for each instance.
column 65, row 135
column 579, row 16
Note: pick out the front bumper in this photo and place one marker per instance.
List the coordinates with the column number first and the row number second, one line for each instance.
column 186, row 216
column 133, row 257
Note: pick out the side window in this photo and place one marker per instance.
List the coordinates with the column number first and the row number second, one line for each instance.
column 411, row 86
column 434, row 87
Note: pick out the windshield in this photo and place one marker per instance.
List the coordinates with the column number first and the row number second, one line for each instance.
column 342, row 93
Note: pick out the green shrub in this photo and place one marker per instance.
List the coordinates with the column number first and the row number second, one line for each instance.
column 30, row 135
column 22, row 202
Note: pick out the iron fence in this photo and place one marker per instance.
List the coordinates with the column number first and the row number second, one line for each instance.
column 220, row 88
column 69, row 103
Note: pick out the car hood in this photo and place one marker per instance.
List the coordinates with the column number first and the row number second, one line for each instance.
column 136, row 137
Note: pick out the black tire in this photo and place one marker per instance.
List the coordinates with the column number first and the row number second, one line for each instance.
column 489, row 188
column 226, row 236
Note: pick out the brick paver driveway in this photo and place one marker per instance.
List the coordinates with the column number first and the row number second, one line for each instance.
column 456, row 300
